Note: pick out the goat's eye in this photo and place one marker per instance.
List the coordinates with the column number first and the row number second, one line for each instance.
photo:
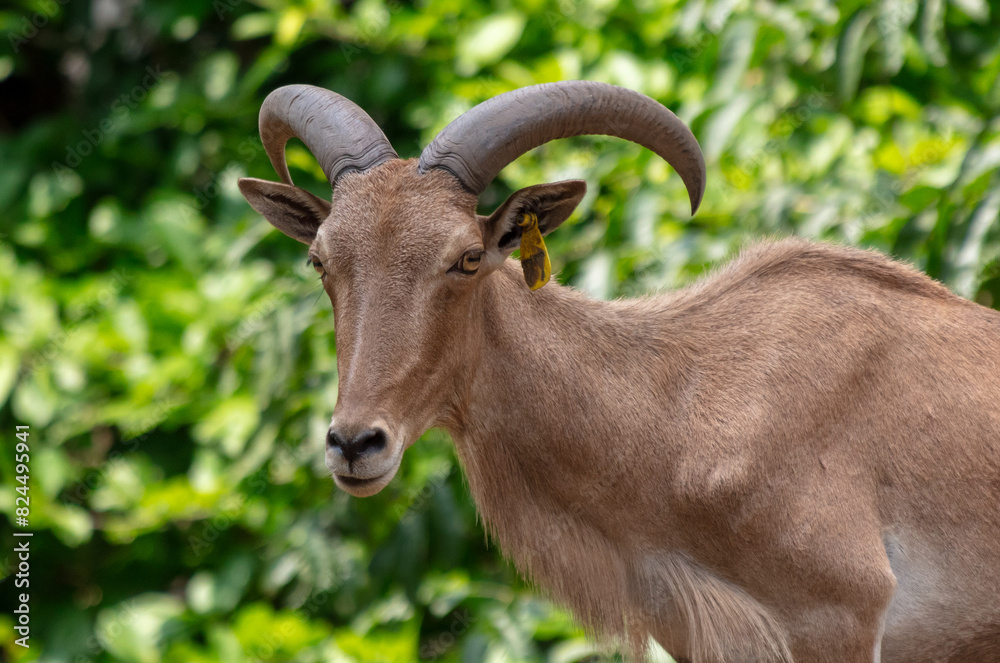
column 468, row 263
column 316, row 264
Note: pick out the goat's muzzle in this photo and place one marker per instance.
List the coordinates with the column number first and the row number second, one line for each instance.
column 362, row 459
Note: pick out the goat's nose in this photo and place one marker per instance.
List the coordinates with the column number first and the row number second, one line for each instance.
column 365, row 442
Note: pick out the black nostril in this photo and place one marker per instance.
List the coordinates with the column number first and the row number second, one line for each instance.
column 333, row 440
column 368, row 441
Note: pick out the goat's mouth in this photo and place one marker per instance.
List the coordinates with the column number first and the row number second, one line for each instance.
column 366, row 487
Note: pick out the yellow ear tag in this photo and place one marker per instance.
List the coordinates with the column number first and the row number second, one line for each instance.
column 534, row 256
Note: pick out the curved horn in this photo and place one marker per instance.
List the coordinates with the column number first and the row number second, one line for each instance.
column 479, row 143
column 339, row 134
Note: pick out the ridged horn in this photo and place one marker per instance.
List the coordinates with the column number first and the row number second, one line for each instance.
column 477, row 145
column 339, row 134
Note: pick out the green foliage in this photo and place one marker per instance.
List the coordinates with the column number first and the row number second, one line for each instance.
column 175, row 359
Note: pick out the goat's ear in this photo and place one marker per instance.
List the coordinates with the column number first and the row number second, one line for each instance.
column 292, row 210
column 550, row 203
column 523, row 219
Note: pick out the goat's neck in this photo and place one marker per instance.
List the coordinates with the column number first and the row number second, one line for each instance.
column 554, row 412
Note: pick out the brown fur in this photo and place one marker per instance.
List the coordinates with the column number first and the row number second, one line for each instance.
column 796, row 458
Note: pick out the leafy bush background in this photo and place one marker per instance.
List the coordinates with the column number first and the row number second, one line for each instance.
column 175, row 359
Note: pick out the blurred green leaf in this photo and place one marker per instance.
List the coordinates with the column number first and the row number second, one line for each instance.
column 132, row 630
column 851, row 51
column 487, row 41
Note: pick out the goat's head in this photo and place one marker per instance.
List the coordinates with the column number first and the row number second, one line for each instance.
column 402, row 251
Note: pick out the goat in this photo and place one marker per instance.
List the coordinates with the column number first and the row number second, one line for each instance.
column 795, row 459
